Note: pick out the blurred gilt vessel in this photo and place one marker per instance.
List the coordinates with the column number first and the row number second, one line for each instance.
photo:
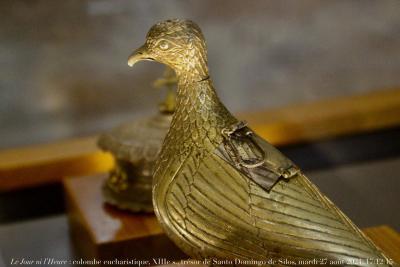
column 221, row 191
column 135, row 147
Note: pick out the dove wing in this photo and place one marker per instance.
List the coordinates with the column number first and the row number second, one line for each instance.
column 215, row 210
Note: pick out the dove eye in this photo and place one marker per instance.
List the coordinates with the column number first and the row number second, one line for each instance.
column 163, row 45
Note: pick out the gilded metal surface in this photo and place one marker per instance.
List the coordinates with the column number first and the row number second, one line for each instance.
column 205, row 194
column 246, row 151
column 135, row 147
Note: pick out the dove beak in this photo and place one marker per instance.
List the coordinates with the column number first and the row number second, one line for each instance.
column 138, row 55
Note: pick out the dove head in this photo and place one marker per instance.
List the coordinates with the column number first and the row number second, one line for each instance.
column 177, row 43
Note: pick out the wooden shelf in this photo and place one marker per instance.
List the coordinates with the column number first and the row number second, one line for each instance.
column 102, row 232
column 35, row 165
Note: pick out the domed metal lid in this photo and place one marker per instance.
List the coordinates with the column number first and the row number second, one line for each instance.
column 138, row 140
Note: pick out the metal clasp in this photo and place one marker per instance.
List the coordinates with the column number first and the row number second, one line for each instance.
column 235, row 131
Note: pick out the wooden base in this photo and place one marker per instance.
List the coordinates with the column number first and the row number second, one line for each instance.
column 102, row 232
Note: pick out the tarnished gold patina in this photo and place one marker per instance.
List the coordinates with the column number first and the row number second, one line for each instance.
column 135, row 147
column 220, row 191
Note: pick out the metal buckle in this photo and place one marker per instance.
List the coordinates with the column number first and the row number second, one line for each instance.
column 234, row 132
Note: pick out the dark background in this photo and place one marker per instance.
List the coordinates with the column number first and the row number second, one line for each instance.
column 63, row 68
column 63, row 73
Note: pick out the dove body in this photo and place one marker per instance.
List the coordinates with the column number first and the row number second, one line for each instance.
column 220, row 191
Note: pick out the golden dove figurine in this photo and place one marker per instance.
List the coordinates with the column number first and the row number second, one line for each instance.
column 135, row 147
column 220, row 191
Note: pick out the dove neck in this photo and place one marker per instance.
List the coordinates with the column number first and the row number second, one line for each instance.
column 195, row 91
column 199, row 113
column 190, row 81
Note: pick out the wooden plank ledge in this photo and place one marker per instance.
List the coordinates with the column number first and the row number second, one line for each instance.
column 328, row 118
column 49, row 163
column 387, row 239
column 309, row 122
